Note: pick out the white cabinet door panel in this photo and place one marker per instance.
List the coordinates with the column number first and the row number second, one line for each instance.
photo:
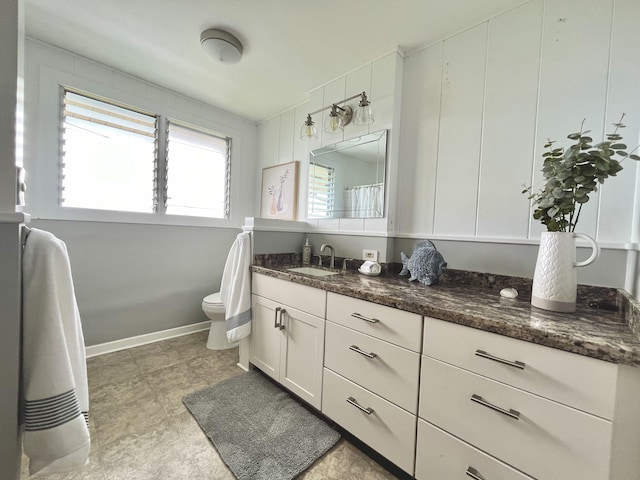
column 302, row 354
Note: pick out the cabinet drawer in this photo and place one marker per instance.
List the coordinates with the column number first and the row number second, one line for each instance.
column 392, row 373
column 441, row 456
column 308, row 299
column 389, row 324
column 548, row 440
column 581, row 382
column 387, row 429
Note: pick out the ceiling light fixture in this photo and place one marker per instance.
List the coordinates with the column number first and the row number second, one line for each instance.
column 339, row 117
column 221, row 46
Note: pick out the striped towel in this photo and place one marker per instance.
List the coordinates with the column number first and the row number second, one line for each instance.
column 55, row 404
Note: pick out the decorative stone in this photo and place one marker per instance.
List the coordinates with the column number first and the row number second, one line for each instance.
column 509, row 293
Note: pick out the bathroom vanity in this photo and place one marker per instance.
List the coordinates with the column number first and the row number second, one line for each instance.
column 453, row 380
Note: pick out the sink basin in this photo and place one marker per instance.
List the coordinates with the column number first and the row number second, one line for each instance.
column 316, row 272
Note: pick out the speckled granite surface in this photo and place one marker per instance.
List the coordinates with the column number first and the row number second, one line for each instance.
column 473, row 299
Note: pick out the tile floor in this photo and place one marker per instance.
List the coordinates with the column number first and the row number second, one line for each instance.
column 140, row 430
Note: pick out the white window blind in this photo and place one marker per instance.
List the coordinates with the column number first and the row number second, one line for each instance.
column 197, row 172
column 109, row 159
column 321, row 190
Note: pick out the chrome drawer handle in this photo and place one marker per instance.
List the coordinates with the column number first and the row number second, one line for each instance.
column 362, row 317
column 362, row 352
column 367, row 410
column 509, row 413
column 275, row 320
column 516, row 364
column 473, row 473
column 281, row 326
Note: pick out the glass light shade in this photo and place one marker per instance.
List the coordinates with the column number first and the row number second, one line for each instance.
column 363, row 115
column 309, row 131
column 333, row 124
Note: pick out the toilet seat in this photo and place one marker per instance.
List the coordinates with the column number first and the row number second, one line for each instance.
column 213, row 299
column 213, row 303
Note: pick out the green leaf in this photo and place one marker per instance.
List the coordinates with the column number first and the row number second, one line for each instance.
column 623, row 153
column 553, row 211
column 573, row 136
column 586, row 139
column 634, row 157
column 582, row 199
column 618, row 146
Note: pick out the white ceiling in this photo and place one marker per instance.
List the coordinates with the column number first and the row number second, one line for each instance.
column 290, row 46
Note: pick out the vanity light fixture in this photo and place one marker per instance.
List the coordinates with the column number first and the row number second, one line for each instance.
column 339, row 117
column 221, row 46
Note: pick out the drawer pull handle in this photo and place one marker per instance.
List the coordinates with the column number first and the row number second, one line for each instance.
column 356, row 349
column 281, row 326
column 362, row 317
column 275, row 320
column 473, row 473
column 509, row 413
column 367, row 410
column 516, row 364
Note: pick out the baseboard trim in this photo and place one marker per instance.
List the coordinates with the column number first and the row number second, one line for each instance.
column 123, row 344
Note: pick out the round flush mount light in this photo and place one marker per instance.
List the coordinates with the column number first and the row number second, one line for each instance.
column 221, row 45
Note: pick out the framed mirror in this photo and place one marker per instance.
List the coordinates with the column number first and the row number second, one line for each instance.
column 347, row 179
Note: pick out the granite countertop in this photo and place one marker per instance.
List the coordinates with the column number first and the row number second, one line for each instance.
column 473, row 300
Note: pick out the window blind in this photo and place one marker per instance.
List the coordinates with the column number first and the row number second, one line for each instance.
column 108, row 155
column 197, row 172
column 321, row 190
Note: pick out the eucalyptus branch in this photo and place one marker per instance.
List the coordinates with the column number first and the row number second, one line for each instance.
column 572, row 174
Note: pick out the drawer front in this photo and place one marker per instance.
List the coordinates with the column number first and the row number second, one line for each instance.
column 308, row 299
column 580, row 382
column 547, row 441
column 441, row 456
column 392, row 373
column 388, row 429
column 389, row 324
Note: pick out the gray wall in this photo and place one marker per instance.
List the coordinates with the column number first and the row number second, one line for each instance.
column 520, row 260
column 133, row 279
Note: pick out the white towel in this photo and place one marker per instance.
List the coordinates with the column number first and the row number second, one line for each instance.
column 235, row 291
column 54, row 371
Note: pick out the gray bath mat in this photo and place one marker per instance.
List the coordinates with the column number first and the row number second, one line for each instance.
column 259, row 430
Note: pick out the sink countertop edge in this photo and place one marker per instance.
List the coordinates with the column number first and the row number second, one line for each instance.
column 594, row 333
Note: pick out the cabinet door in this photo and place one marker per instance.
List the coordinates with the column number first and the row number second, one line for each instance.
column 301, row 355
column 265, row 337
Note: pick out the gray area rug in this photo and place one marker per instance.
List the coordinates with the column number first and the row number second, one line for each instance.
column 259, row 430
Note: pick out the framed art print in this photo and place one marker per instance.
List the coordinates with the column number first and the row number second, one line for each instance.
column 279, row 198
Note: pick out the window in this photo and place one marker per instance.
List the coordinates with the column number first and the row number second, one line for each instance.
column 111, row 161
column 321, row 190
column 197, row 173
column 108, row 156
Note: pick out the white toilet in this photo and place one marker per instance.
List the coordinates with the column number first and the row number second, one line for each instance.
column 213, row 308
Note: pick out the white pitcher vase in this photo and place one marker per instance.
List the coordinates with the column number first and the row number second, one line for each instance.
column 554, row 279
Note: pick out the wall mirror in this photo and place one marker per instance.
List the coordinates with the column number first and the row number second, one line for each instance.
column 347, row 179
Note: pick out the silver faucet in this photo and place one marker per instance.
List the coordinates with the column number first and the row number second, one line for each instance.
column 332, row 263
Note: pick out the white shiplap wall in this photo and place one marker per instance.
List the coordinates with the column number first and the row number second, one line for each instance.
column 478, row 107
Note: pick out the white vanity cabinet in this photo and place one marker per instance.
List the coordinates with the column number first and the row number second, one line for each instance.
column 372, row 365
column 287, row 338
column 490, row 404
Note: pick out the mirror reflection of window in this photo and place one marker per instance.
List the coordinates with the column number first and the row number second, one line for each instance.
column 321, row 190
column 357, row 172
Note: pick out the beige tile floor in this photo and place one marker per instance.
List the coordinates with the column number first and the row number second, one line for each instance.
column 140, row 430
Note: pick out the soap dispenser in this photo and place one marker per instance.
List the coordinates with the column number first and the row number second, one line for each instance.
column 306, row 252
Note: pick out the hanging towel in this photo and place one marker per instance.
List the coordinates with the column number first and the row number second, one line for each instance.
column 235, row 290
column 54, row 371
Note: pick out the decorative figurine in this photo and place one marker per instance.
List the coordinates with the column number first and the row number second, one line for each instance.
column 425, row 265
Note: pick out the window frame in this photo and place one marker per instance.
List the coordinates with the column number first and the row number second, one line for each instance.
column 44, row 157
